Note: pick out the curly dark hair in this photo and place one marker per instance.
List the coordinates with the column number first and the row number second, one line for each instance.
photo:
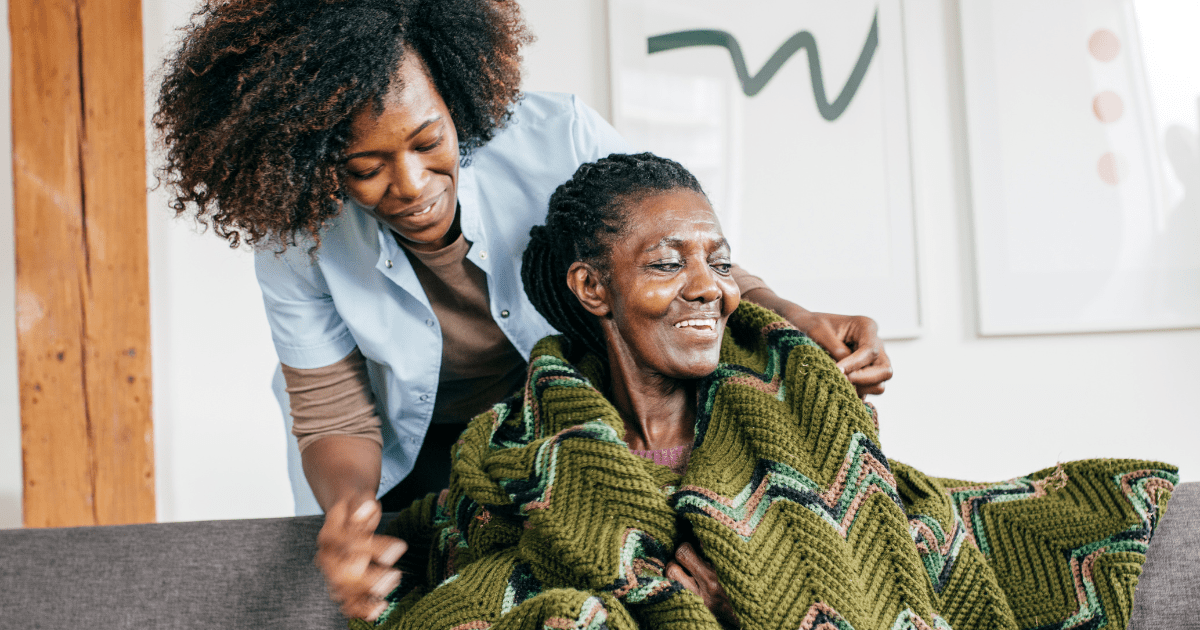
column 586, row 214
column 255, row 106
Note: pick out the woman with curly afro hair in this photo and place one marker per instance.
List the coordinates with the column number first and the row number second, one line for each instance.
column 382, row 160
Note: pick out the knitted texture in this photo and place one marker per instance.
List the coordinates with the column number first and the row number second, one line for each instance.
column 551, row 522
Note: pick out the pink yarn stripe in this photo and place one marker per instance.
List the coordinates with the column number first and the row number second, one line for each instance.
column 674, row 458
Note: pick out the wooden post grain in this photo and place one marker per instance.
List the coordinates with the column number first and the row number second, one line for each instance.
column 82, row 268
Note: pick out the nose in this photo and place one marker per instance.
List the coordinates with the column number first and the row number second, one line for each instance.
column 701, row 284
column 409, row 178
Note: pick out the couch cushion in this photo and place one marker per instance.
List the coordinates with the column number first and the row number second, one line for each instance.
column 211, row 574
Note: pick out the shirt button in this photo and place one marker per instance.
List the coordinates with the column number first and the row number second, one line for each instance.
column 429, row 322
column 483, row 255
column 387, row 263
column 504, row 314
column 424, row 397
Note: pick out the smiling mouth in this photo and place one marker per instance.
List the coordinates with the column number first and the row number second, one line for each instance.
column 422, row 210
column 707, row 323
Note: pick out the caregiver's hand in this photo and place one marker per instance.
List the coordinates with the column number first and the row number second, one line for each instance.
column 343, row 472
column 698, row 576
column 852, row 340
column 357, row 563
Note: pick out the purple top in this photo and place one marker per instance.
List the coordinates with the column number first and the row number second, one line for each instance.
column 674, row 458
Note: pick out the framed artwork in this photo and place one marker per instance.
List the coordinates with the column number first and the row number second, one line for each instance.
column 1081, row 222
column 793, row 115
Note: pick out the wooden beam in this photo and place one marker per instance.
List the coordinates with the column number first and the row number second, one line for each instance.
column 82, row 268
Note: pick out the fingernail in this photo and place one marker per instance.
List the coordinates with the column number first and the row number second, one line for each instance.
column 363, row 512
column 385, row 585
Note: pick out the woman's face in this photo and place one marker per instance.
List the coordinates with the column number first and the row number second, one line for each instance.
column 402, row 165
column 669, row 291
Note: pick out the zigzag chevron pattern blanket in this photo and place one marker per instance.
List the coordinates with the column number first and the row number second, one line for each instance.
column 551, row 523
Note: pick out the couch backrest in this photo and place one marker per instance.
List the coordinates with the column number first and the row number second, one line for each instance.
column 256, row 573
column 1168, row 592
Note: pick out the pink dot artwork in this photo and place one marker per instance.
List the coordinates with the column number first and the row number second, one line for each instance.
column 1104, row 45
column 1108, row 106
column 1107, row 168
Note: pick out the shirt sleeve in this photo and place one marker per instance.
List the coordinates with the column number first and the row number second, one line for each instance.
column 305, row 325
column 745, row 281
column 593, row 136
column 333, row 400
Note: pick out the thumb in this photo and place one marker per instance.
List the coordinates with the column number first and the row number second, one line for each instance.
column 839, row 351
column 830, row 341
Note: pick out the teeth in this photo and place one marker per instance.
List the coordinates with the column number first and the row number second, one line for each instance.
column 417, row 214
column 703, row 323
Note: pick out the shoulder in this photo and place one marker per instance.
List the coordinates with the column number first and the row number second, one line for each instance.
column 554, row 124
column 538, row 118
column 348, row 238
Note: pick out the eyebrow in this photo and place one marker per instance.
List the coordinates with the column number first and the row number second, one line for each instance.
column 422, row 127
column 675, row 241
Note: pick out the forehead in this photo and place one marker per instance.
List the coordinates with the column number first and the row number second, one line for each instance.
column 411, row 100
column 675, row 214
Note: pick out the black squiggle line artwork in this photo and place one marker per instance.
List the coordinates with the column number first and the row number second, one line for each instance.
column 751, row 85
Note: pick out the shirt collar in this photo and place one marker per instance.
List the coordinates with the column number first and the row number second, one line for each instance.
column 469, row 205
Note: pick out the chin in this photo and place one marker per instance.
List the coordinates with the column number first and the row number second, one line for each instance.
column 699, row 369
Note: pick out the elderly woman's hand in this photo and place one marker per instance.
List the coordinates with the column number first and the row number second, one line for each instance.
column 358, row 565
column 698, row 576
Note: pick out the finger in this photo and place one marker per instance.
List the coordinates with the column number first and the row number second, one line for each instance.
column 364, row 608
column 701, row 571
column 870, row 375
column 868, row 390
column 387, row 550
column 374, row 581
column 386, row 583
column 859, row 359
column 686, row 555
column 676, row 572
column 366, row 516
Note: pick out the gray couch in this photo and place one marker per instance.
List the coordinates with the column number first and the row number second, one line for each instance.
column 259, row 573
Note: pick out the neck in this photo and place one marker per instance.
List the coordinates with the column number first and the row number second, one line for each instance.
column 659, row 412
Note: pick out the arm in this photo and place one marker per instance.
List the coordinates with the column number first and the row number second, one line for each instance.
column 340, row 447
column 852, row 340
column 337, row 426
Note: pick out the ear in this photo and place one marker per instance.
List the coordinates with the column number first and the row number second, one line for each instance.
column 584, row 281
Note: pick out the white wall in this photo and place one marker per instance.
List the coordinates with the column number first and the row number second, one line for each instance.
column 992, row 408
column 219, row 440
column 959, row 405
column 10, row 420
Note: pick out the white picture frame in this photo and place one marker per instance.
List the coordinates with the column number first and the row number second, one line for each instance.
column 1071, row 202
column 814, row 190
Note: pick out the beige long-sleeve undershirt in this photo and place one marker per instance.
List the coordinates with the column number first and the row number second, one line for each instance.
column 337, row 399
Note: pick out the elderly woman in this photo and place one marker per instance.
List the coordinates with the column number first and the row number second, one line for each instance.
column 679, row 458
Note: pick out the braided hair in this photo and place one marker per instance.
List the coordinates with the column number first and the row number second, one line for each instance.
column 587, row 213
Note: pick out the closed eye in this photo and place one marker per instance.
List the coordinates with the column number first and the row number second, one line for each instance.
column 666, row 265
column 364, row 175
column 431, row 146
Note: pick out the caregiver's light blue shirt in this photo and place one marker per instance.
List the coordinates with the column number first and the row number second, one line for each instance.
column 362, row 290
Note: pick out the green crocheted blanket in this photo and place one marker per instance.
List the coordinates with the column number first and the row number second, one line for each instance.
column 551, row 523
